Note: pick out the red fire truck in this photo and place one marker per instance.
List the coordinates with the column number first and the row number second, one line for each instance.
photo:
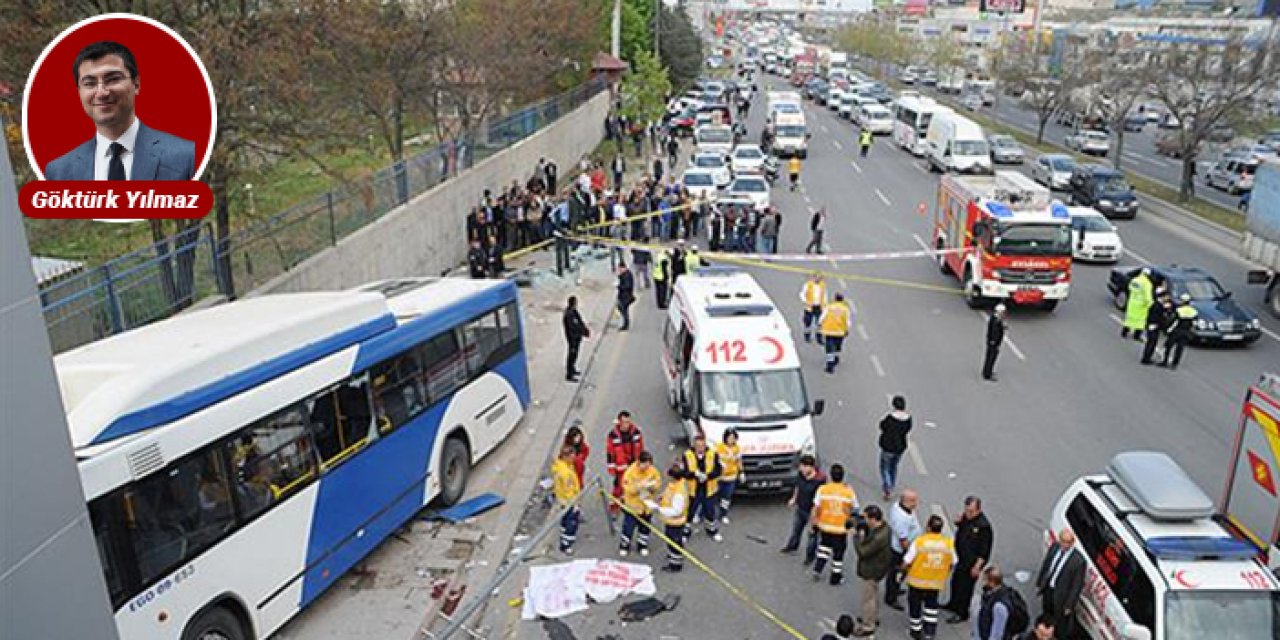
column 803, row 66
column 1251, row 501
column 1004, row 238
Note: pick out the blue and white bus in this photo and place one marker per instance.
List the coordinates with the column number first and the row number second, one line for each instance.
column 238, row 460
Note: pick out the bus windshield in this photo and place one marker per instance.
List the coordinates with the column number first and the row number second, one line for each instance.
column 1034, row 240
column 1222, row 614
column 753, row 396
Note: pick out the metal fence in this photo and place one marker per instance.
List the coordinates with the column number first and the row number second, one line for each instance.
column 157, row 281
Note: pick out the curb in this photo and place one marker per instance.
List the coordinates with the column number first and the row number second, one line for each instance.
column 1218, row 234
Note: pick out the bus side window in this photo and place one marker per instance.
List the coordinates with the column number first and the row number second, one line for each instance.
column 445, row 370
column 280, row 461
column 399, row 390
column 342, row 422
column 483, row 338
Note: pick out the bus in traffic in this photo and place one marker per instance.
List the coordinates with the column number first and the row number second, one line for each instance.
column 911, row 117
column 239, row 459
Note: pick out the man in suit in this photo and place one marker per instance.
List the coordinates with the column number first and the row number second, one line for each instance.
column 123, row 148
column 575, row 331
column 1060, row 582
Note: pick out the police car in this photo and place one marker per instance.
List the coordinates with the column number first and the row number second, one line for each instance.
column 1160, row 565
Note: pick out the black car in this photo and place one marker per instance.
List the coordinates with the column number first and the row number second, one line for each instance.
column 1104, row 189
column 1220, row 319
column 814, row 87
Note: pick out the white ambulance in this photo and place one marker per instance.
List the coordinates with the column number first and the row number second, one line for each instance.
column 1160, row 564
column 729, row 361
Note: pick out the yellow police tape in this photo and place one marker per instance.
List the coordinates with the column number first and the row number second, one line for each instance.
column 733, row 589
column 599, row 225
column 729, row 257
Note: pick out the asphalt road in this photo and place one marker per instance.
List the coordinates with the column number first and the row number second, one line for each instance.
column 1071, row 394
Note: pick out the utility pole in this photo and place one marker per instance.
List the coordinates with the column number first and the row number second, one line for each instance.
column 657, row 30
column 615, row 41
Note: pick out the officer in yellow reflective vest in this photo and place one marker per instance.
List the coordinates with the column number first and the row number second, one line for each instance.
column 834, row 326
column 833, row 508
column 661, row 274
column 692, row 260
column 640, row 485
column 565, row 484
column 928, row 565
column 814, row 297
column 704, row 466
column 1179, row 332
column 673, row 511
column 864, row 141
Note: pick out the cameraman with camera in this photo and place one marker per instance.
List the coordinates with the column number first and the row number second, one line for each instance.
column 875, row 560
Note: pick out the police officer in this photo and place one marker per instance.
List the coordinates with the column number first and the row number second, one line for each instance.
column 814, row 297
column 477, row 261
column 1135, row 310
column 661, row 275
column 1159, row 317
column 692, row 260
column 864, row 141
column 995, row 337
column 1179, row 332
column 833, row 326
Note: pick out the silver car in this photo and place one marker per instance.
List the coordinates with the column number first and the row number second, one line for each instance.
column 1053, row 170
column 1005, row 150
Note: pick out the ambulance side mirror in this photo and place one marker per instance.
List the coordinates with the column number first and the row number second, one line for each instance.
column 1135, row 632
column 819, row 406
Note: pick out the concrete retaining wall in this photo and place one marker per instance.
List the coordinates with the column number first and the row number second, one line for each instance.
column 427, row 236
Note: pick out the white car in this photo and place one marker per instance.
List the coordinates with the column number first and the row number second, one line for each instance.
column 1053, row 170
column 753, row 188
column 875, row 118
column 701, row 184
column 835, row 95
column 747, row 159
column 713, row 138
column 1093, row 237
column 1089, row 142
column 714, row 163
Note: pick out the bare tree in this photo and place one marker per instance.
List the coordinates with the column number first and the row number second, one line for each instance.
column 1043, row 90
column 1206, row 83
column 1123, row 80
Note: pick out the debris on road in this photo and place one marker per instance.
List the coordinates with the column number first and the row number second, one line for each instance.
column 467, row 509
column 647, row 608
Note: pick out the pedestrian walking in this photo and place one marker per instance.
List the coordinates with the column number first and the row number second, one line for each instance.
column 643, row 261
column 793, row 170
column 657, row 169
column 1000, row 613
column 814, row 296
column 674, row 513
column 618, row 167
column 1135, row 308
column 844, row 629
column 566, row 487
column 626, row 295
column 1060, row 583
column 834, row 327
column 673, row 152
column 662, row 277
column 703, row 463
column 769, row 232
column 904, row 527
column 817, row 226
column 894, row 427
column 477, row 261
column 834, row 507
column 974, row 540
column 550, row 173
column 1179, row 332
column 996, row 327
column 1160, row 317
column 808, row 479
column 864, row 141
column 581, row 450
column 730, row 455
column 623, row 446
column 928, row 563
column 575, row 331
column 875, row 560
column 641, row 484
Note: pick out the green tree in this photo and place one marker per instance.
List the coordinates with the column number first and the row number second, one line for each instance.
column 643, row 89
column 680, row 47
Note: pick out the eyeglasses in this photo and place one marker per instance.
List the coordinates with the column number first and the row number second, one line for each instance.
column 110, row 81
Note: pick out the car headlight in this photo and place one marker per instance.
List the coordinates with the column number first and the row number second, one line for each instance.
column 1255, row 324
column 809, row 448
column 1201, row 323
column 1105, row 203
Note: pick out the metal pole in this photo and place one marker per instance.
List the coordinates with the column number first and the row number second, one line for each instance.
column 615, row 40
column 657, row 30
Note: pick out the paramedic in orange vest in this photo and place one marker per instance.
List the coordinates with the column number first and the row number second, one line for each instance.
column 704, row 467
column 928, row 566
column 640, row 485
column 833, row 508
column 814, row 297
column 673, row 511
column 833, row 326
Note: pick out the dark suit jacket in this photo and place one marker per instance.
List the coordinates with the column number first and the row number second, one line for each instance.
column 1070, row 580
column 156, row 156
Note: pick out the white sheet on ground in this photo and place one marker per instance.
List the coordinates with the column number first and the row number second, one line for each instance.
column 558, row 590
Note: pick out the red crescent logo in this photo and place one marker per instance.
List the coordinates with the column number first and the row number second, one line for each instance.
column 1181, row 578
column 778, row 351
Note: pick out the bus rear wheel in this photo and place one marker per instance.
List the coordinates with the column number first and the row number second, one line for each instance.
column 215, row 624
column 455, row 466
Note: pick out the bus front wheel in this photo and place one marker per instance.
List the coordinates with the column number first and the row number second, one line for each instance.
column 215, row 624
column 455, row 466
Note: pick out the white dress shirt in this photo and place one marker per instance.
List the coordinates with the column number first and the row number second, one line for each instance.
column 102, row 156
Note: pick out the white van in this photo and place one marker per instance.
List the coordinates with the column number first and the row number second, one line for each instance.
column 729, row 361
column 713, row 137
column 954, row 143
column 790, row 134
column 1159, row 564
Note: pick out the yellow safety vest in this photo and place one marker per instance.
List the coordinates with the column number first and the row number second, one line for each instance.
column 931, row 566
column 865, row 137
column 833, row 506
column 835, row 320
column 660, row 266
column 674, row 488
column 1187, row 312
column 565, row 481
column 708, row 464
column 730, row 460
column 638, row 486
column 793, row 166
column 692, row 261
column 814, row 293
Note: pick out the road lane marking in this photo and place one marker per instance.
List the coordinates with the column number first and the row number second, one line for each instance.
column 1115, row 317
column 1012, row 347
column 883, row 198
column 862, row 333
column 1273, row 335
column 855, row 166
column 875, row 363
column 1134, row 254
column 836, row 144
column 913, row 450
column 824, row 127
column 807, row 200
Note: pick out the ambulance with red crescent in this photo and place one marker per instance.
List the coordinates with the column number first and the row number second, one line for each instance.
column 1251, row 501
column 729, row 361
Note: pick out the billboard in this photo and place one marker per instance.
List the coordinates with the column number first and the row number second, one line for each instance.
column 1002, row 6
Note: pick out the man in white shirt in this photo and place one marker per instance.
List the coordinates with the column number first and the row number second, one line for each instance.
column 904, row 528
